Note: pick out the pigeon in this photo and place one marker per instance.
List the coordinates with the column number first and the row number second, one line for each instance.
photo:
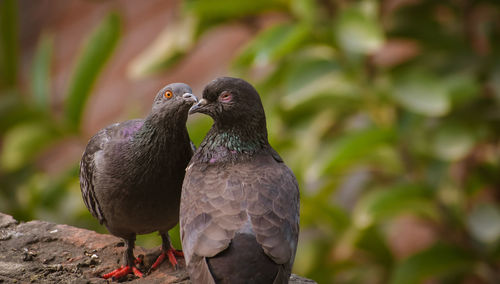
column 131, row 174
column 239, row 213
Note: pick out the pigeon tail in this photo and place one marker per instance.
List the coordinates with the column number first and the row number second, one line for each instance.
column 243, row 261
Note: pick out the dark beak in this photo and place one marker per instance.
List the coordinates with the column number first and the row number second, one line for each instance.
column 198, row 107
column 188, row 97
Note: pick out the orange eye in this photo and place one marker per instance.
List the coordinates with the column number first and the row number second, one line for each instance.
column 168, row 94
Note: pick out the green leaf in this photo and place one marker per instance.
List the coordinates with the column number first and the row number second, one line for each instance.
column 153, row 240
column 14, row 111
column 170, row 46
column 175, row 237
column 56, row 187
column 198, row 127
column 313, row 79
column 306, row 10
column 272, row 44
column 438, row 260
column 463, row 88
column 484, row 223
column 303, row 74
column 354, row 146
column 494, row 81
column 373, row 242
column 98, row 49
column 378, row 205
column 422, row 92
column 357, row 31
column 213, row 11
column 306, row 257
column 40, row 72
column 453, row 142
column 317, row 211
column 8, row 43
column 24, row 142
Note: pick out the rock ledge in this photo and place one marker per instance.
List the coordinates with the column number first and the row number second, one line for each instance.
column 43, row 252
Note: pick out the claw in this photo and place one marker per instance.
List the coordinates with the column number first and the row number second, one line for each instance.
column 158, row 261
column 136, row 272
column 139, row 259
column 172, row 259
column 122, row 271
column 112, row 273
column 178, row 253
column 170, row 253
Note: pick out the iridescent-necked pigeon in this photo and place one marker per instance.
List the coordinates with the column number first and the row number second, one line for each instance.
column 239, row 212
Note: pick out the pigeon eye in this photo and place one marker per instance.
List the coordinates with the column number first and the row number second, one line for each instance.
column 168, row 94
column 225, row 97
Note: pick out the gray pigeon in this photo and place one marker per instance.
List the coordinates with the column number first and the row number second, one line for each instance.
column 239, row 212
column 131, row 174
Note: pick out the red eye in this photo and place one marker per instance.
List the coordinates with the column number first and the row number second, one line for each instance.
column 168, row 94
column 225, row 97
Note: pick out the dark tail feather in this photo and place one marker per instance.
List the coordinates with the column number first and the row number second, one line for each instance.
column 244, row 261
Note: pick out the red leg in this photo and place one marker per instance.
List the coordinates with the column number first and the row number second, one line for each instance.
column 118, row 273
column 158, row 261
column 170, row 253
column 122, row 271
column 178, row 253
column 171, row 258
column 130, row 262
column 139, row 259
column 112, row 273
column 167, row 251
column 136, row 272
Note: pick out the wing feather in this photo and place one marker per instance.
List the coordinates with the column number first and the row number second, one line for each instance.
column 87, row 174
column 277, row 229
column 93, row 155
column 217, row 202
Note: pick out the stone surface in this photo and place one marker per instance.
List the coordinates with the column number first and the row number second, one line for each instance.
column 43, row 252
column 6, row 220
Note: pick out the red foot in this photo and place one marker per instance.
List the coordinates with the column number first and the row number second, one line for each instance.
column 122, row 271
column 139, row 259
column 170, row 253
column 178, row 253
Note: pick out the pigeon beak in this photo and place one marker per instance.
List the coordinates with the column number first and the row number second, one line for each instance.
column 188, row 97
column 198, row 107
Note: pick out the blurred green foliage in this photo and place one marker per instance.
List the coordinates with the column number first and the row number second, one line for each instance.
column 383, row 109
column 29, row 125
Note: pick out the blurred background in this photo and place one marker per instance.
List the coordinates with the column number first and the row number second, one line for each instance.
column 387, row 111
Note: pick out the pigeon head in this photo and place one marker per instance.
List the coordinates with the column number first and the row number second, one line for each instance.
column 232, row 102
column 239, row 120
column 174, row 98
